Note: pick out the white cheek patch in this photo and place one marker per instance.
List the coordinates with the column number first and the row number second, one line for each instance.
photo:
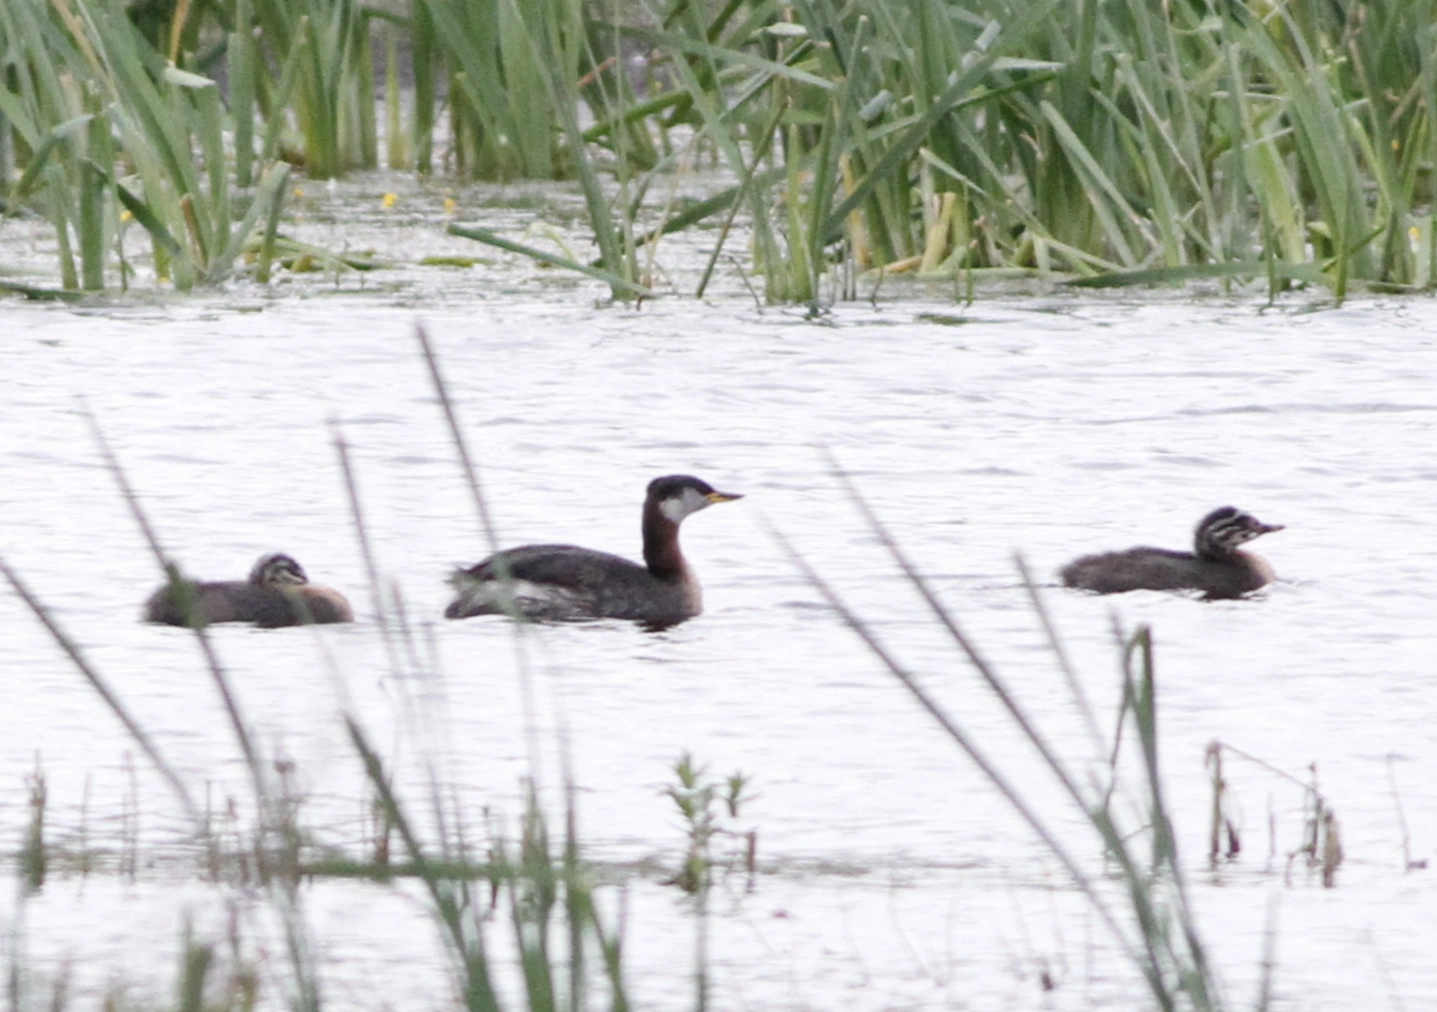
column 674, row 509
column 690, row 500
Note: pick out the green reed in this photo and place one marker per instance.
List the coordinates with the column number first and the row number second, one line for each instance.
column 500, row 80
column 132, row 139
column 1103, row 143
column 1121, row 143
column 333, row 93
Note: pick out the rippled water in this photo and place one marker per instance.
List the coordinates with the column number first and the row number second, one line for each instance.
column 894, row 876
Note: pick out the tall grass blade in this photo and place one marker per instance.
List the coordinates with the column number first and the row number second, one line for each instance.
column 104, row 691
column 465, row 945
column 242, row 74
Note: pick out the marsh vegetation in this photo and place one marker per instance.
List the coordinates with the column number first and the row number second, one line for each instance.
column 1098, row 143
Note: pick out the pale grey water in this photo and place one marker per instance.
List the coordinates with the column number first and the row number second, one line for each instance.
column 1046, row 425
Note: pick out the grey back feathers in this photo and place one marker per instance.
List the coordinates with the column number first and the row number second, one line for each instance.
column 568, row 583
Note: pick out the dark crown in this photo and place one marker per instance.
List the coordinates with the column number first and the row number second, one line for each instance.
column 673, row 485
column 1221, row 532
column 277, row 568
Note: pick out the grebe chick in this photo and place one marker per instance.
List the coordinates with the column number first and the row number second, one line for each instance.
column 277, row 593
column 558, row 583
column 1215, row 566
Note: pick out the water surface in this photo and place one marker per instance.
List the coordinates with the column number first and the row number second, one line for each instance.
column 1046, row 425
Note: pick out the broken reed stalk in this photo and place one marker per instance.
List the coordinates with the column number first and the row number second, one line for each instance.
column 33, row 860
column 1408, row 864
column 1321, row 832
column 1221, row 826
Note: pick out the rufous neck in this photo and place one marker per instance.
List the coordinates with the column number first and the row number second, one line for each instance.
column 661, row 544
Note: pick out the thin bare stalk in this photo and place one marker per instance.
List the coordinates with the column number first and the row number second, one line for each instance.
column 1055, row 644
column 961, row 738
column 271, row 816
column 526, row 682
column 366, row 549
column 212, row 661
column 471, row 475
column 970, row 650
column 102, row 687
column 1407, row 863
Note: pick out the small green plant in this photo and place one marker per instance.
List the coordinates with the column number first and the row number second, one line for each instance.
column 33, row 859
column 711, row 811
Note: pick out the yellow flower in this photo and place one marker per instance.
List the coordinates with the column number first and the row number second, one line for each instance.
column 389, row 200
column 298, row 193
column 126, row 217
column 450, row 206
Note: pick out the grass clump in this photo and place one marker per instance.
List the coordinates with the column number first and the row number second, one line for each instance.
column 710, row 809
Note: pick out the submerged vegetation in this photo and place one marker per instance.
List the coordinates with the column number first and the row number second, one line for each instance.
column 1104, row 143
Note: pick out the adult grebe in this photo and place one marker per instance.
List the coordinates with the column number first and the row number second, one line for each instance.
column 277, row 593
column 559, row 583
column 1215, row 566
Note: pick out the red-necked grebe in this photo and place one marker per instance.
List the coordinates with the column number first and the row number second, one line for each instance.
column 1215, row 566
column 558, row 583
column 277, row 593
